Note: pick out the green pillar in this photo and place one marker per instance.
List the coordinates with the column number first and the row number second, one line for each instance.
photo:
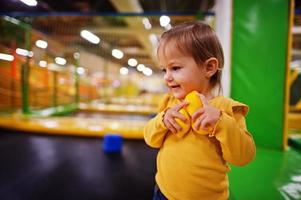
column 259, row 50
column 25, row 76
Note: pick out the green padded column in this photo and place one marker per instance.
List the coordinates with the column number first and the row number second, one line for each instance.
column 259, row 48
column 25, row 73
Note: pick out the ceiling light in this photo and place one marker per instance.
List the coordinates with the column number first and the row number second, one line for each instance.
column 154, row 40
column 43, row 63
column 80, row 70
column 146, row 23
column 117, row 53
column 147, row 71
column 53, row 67
column 168, row 27
column 140, row 67
column 41, row 44
column 24, row 52
column 132, row 62
column 123, row 71
column 76, row 55
column 164, row 20
column 6, row 57
column 30, row 2
column 12, row 20
column 90, row 36
column 60, row 61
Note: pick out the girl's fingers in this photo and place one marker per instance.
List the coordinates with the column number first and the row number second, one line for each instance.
column 203, row 99
column 181, row 105
column 199, row 121
column 173, row 113
column 175, row 125
column 170, row 126
column 197, row 114
column 205, row 124
column 180, row 116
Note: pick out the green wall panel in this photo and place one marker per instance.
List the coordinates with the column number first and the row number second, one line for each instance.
column 259, row 48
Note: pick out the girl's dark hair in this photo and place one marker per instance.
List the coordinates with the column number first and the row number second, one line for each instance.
column 198, row 40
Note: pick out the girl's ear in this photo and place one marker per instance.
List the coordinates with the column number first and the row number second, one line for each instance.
column 211, row 66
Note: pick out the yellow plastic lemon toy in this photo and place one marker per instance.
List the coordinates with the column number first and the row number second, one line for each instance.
column 185, row 125
column 195, row 103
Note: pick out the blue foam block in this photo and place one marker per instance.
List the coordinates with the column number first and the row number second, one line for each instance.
column 112, row 143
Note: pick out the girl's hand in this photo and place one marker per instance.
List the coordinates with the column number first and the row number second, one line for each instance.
column 206, row 116
column 171, row 114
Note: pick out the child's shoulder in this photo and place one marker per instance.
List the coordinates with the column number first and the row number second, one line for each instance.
column 230, row 105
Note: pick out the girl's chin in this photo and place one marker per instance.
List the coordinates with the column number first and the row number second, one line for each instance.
column 179, row 95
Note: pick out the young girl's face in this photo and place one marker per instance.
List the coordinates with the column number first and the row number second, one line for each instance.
column 181, row 73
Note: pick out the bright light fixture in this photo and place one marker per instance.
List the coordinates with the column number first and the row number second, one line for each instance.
column 117, row 53
column 90, row 36
column 41, row 44
column 24, row 52
column 30, row 2
column 53, row 67
column 12, row 20
column 43, row 63
column 132, row 62
column 80, row 70
column 6, row 57
column 168, row 27
column 146, row 23
column 76, row 55
column 147, row 71
column 60, row 61
column 164, row 20
column 123, row 71
column 154, row 40
column 140, row 67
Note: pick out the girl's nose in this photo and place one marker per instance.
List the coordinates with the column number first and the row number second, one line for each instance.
column 167, row 76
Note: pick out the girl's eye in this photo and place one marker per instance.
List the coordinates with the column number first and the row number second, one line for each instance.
column 176, row 68
column 164, row 70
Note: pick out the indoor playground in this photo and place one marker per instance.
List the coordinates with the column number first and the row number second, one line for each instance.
column 80, row 79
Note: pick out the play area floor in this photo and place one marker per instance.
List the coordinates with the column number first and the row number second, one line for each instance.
column 35, row 167
column 272, row 175
column 39, row 166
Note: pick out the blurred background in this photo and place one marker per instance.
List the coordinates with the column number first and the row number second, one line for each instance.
column 75, row 72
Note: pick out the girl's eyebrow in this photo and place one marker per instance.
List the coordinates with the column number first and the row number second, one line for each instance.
column 174, row 63
column 170, row 64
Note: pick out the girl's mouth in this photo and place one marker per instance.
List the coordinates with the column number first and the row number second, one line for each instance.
column 174, row 86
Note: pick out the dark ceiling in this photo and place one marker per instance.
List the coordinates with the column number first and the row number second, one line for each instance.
column 106, row 6
column 63, row 20
column 117, row 22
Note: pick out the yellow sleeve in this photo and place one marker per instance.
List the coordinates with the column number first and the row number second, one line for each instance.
column 236, row 142
column 154, row 131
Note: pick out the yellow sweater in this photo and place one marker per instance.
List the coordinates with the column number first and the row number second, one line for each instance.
column 195, row 166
